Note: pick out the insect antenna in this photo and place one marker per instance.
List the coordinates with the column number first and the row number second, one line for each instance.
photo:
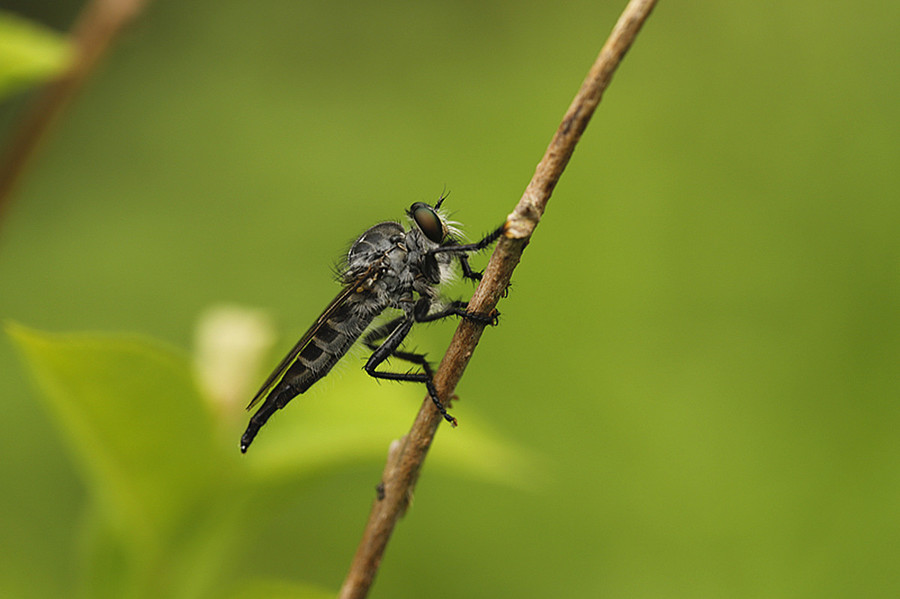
column 443, row 197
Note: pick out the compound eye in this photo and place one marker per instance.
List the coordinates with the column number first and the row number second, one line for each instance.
column 428, row 221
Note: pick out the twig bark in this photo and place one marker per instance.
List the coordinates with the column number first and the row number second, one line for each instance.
column 406, row 458
column 95, row 30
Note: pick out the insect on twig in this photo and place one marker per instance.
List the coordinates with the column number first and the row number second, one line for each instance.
column 387, row 267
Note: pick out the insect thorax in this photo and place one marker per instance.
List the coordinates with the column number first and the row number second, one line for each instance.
column 389, row 264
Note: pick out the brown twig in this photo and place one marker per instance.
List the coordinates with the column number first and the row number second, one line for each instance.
column 406, row 459
column 95, row 30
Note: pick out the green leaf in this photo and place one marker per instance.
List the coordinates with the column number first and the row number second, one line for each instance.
column 171, row 491
column 136, row 425
column 29, row 53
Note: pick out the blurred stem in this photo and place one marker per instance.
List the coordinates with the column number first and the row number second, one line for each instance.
column 406, row 459
column 95, row 30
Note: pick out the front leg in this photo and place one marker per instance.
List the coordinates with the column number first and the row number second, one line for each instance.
column 462, row 249
column 471, row 247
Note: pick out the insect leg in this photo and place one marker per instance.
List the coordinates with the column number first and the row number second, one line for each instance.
column 388, row 348
column 458, row 308
column 468, row 273
column 471, row 247
column 475, row 275
column 375, row 335
column 463, row 249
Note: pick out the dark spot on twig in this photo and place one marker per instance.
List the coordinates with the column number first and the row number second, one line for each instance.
column 569, row 121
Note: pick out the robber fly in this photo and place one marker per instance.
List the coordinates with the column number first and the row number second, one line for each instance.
column 387, row 267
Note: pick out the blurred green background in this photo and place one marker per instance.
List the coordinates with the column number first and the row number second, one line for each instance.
column 702, row 343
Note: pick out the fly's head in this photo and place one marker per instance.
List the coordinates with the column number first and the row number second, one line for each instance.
column 428, row 221
column 432, row 222
column 431, row 229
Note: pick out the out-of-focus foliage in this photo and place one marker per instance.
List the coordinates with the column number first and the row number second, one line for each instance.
column 701, row 341
column 28, row 53
column 170, row 492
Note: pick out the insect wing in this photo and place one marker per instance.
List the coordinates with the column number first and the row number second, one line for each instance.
column 289, row 359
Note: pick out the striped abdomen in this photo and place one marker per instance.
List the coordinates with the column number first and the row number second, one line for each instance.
column 328, row 344
column 315, row 354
